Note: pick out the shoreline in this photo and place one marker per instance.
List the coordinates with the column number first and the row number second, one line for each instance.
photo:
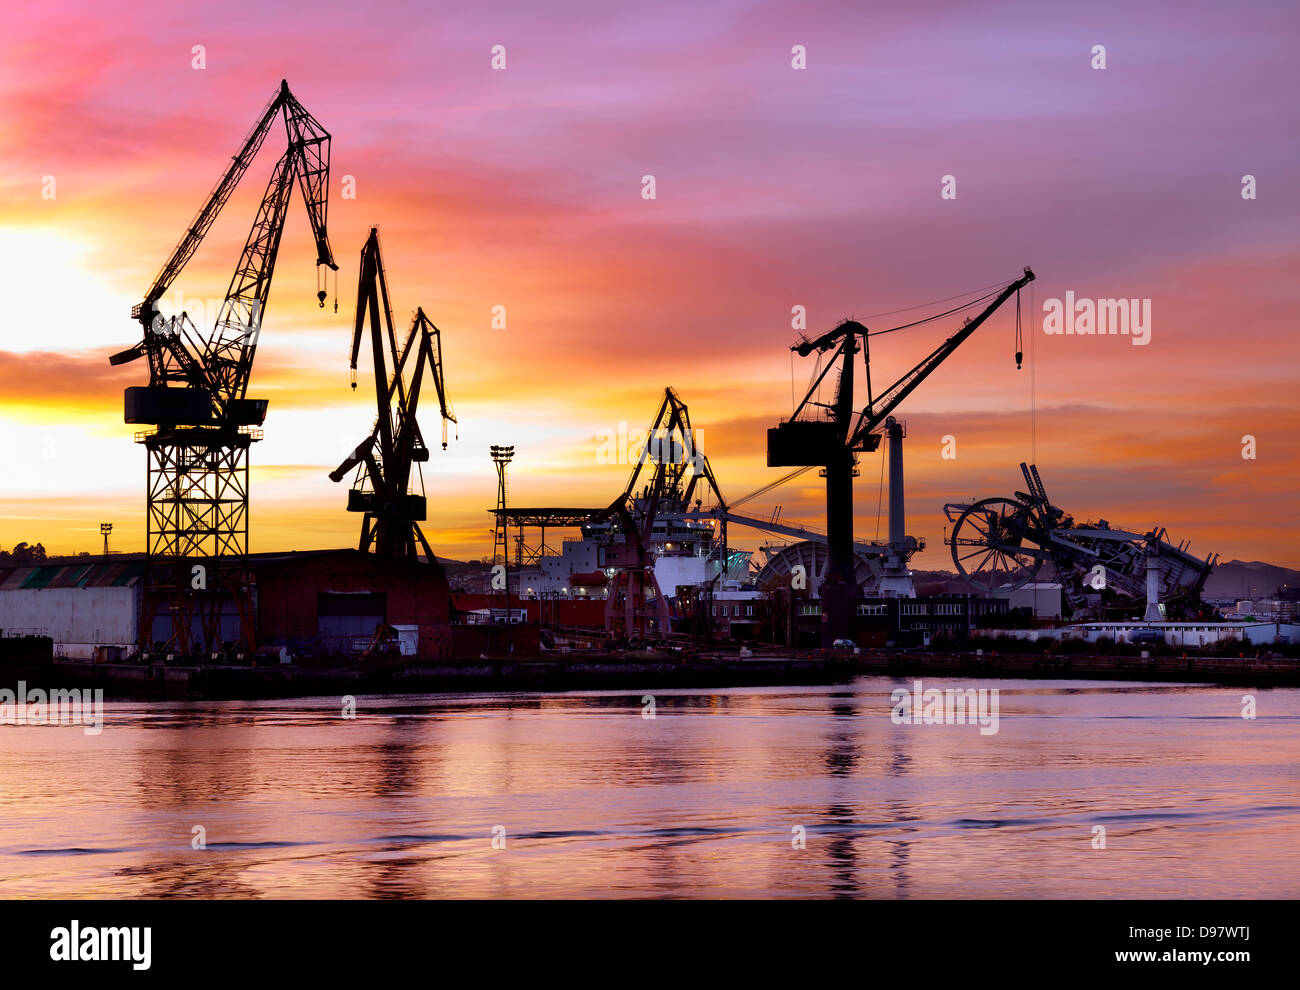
column 575, row 672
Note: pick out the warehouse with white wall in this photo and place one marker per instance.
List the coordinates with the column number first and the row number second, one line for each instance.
column 81, row 604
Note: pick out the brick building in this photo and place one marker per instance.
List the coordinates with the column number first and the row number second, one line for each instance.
column 333, row 600
column 312, row 602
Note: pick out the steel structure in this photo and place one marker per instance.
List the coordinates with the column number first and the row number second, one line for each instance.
column 669, row 476
column 384, row 460
column 539, row 518
column 1001, row 544
column 881, row 568
column 196, row 399
column 635, row 606
column 832, row 438
column 501, row 457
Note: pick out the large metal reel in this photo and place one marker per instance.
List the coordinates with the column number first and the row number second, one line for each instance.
column 988, row 546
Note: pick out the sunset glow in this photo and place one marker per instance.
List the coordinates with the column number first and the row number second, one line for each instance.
column 775, row 189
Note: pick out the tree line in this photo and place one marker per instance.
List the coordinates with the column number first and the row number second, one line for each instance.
column 23, row 553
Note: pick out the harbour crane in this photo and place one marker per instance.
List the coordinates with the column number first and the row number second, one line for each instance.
column 635, row 606
column 384, row 460
column 833, row 438
column 196, row 399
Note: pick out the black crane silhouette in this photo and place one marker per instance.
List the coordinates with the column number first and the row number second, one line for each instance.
column 196, row 400
column 832, row 438
column 384, row 460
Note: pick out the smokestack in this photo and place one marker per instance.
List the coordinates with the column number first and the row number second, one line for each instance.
column 1153, row 584
column 895, row 578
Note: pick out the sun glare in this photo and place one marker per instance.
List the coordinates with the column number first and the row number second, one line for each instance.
column 54, row 300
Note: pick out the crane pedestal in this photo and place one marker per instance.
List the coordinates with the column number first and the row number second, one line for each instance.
column 196, row 564
column 635, row 607
column 840, row 591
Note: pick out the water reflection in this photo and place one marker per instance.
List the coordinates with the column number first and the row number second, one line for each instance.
column 597, row 800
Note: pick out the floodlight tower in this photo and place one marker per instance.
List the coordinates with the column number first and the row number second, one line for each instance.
column 106, row 528
column 501, row 456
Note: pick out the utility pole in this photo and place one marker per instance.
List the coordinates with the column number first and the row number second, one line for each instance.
column 501, row 456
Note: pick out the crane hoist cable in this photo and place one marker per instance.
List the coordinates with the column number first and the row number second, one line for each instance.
column 1033, row 387
column 817, row 370
column 936, row 316
column 935, row 302
column 768, row 487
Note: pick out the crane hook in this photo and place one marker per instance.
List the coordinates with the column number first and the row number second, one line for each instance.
column 1020, row 344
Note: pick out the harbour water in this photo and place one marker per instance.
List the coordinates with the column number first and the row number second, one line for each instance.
column 746, row 792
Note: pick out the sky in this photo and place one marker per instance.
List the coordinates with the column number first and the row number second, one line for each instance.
column 775, row 187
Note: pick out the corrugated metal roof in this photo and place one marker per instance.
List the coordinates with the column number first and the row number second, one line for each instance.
column 127, row 569
column 39, row 577
column 69, row 577
column 13, row 577
column 82, row 574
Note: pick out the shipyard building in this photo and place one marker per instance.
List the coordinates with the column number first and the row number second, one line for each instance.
column 313, row 603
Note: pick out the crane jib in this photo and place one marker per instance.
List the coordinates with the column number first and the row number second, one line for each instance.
column 218, row 369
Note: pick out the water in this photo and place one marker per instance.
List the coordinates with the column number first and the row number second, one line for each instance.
column 597, row 801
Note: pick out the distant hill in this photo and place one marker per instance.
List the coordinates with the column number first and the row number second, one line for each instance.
column 467, row 575
column 1253, row 579
column 939, row 583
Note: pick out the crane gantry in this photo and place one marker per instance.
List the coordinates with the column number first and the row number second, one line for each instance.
column 196, row 399
column 384, row 460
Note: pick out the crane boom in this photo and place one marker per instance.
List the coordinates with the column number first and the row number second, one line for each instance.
column 229, row 352
column 221, row 365
column 876, row 411
column 672, row 477
column 208, row 212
